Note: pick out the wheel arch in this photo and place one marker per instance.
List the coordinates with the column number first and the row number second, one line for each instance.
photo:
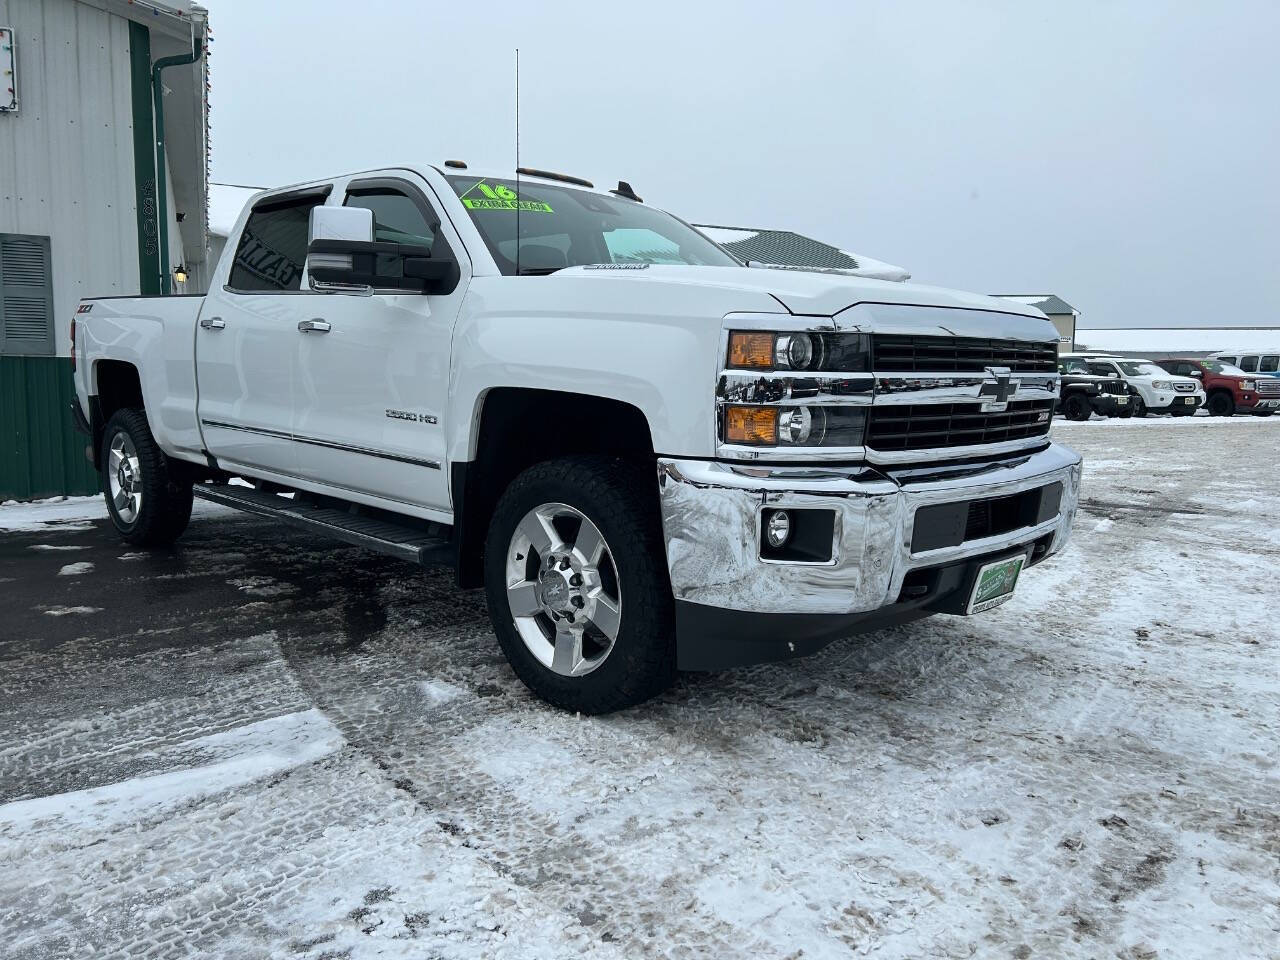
column 115, row 385
column 517, row 427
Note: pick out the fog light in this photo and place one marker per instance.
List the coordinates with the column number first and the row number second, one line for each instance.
column 778, row 530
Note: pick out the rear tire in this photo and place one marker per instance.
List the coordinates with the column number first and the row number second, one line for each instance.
column 1222, row 405
column 147, row 504
column 1077, row 408
column 535, row 560
column 1139, row 406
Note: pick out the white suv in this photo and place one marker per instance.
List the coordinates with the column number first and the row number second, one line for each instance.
column 1154, row 390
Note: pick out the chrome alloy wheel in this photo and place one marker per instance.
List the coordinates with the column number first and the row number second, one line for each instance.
column 562, row 588
column 124, row 473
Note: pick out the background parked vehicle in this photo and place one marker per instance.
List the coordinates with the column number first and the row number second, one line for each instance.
column 1154, row 389
column 1229, row 389
column 1084, row 394
column 1266, row 362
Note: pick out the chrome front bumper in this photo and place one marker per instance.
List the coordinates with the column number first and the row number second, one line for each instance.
column 711, row 521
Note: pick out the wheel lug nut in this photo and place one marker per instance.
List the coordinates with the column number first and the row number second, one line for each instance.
column 576, row 580
column 578, row 602
column 569, row 617
column 564, row 563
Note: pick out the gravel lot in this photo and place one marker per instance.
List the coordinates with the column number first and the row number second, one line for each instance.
column 260, row 744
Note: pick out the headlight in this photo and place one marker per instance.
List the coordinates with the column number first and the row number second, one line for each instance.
column 766, row 426
column 761, row 350
column 1248, row 385
column 1161, row 385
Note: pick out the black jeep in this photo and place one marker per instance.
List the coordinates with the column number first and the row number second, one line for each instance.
column 1083, row 394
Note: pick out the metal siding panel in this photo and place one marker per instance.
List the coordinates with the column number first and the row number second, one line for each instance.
column 66, row 158
column 41, row 455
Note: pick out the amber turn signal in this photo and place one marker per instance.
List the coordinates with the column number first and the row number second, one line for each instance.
column 750, row 349
column 754, row 425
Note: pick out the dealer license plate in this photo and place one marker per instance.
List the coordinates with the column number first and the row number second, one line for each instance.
column 1188, row 399
column 995, row 584
column 1122, row 400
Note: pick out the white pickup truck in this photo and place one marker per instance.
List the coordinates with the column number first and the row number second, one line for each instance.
column 650, row 455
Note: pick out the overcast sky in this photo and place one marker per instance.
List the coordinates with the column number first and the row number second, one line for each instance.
column 1125, row 156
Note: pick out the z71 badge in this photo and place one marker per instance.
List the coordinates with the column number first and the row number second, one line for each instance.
column 411, row 416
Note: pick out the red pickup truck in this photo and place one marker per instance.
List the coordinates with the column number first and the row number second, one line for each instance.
column 1229, row 389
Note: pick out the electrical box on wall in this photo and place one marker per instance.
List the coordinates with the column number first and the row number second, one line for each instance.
column 8, row 71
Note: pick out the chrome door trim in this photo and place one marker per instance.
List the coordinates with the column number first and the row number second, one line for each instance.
column 319, row 442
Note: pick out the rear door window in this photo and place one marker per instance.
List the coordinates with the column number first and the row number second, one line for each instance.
column 272, row 250
column 1269, row 364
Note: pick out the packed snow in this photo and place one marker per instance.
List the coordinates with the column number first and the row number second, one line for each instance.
column 262, row 744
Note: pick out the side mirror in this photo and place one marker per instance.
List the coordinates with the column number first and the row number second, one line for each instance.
column 353, row 224
column 1112, row 375
column 395, row 266
column 1198, row 374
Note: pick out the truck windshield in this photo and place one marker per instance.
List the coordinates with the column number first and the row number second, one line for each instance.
column 1214, row 366
column 563, row 227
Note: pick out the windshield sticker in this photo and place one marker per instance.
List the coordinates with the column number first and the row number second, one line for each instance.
column 501, row 197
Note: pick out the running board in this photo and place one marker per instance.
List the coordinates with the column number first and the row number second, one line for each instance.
column 398, row 540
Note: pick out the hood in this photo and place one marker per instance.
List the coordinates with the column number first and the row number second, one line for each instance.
column 811, row 294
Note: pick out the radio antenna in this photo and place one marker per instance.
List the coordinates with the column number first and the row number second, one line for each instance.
column 517, row 161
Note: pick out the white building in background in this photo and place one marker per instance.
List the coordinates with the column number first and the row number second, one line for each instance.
column 86, row 144
column 103, row 190
column 1156, row 343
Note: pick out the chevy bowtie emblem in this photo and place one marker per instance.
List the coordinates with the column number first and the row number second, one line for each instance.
column 995, row 394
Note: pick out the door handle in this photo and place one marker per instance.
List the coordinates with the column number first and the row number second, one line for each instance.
column 314, row 326
column 212, row 323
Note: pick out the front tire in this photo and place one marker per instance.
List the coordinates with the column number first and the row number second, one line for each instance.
column 147, row 504
column 1139, row 406
column 1077, row 408
column 577, row 587
column 1222, row 405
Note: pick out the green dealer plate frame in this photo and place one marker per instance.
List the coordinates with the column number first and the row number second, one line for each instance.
column 994, row 583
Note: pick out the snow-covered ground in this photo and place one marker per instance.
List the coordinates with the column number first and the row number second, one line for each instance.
column 262, row 745
column 74, row 513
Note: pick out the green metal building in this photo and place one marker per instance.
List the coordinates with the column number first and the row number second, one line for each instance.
column 103, row 191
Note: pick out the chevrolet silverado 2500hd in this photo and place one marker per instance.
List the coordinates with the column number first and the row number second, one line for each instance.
column 651, row 456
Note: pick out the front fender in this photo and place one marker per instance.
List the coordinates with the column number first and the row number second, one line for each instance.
column 647, row 345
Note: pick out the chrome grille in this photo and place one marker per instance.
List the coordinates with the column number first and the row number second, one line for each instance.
column 924, row 426
column 1180, row 387
column 1269, row 386
column 894, row 353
